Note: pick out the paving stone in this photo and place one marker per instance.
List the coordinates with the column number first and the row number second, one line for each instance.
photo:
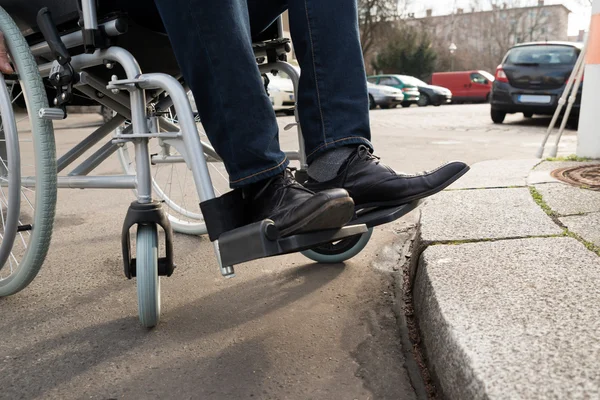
column 587, row 226
column 511, row 319
column 568, row 200
column 496, row 173
column 484, row 214
column 541, row 173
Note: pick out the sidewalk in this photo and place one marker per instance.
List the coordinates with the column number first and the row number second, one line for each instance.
column 506, row 290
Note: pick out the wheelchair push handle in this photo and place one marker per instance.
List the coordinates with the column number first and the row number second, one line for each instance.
column 48, row 29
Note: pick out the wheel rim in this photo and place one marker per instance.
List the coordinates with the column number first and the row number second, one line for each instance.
column 338, row 247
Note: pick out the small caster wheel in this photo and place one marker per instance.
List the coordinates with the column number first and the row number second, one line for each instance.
column 339, row 251
column 148, row 282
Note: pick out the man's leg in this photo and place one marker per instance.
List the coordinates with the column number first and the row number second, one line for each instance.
column 332, row 99
column 333, row 107
column 212, row 43
column 213, row 46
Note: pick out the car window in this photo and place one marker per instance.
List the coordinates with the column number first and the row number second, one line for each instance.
column 411, row 80
column 372, row 79
column 542, row 55
column 478, row 78
column 388, row 80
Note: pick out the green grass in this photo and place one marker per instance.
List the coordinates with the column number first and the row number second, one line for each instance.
column 537, row 197
column 588, row 245
column 572, row 157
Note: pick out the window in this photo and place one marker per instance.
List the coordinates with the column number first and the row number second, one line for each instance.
column 542, row 55
column 478, row 78
column 388, row 80
column 411, row 80
column 372, row 79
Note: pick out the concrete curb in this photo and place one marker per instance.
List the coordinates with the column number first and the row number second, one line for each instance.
column 469, row 329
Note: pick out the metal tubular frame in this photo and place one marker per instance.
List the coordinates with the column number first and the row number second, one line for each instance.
column 120, row 103
column 195, row 153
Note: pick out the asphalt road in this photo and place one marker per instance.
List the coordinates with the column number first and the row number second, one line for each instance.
column 284, row 328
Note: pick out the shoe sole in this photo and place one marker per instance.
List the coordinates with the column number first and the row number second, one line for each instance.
column 419, row 196
column 333, row 215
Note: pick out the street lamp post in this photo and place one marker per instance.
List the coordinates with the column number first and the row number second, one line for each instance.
column 452, row 49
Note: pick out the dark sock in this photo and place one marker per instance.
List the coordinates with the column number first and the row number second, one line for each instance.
column 327, row 165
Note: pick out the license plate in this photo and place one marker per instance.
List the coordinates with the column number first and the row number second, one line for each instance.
column 537, row 99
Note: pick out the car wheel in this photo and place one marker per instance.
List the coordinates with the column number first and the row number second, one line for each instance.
column 487, row 98
column 372, row 104
column 106, row 113
column 405, row 104
column 424, row 101
column 384, row 106
column 528, row 115
column 498, row 116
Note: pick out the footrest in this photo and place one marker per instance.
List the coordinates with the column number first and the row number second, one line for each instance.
column 259, row 240
column 383, row 215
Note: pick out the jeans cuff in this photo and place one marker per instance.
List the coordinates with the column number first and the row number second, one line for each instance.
column 314, row 153
column 259, row 176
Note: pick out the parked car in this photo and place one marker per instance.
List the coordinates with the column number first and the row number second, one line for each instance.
column 429, row 94
column 281, row 92
column 466, row 86
column 532, row 78
column 384, row 96
column 410, row 91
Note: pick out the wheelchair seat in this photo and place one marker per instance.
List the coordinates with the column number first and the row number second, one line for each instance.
column 146, row 38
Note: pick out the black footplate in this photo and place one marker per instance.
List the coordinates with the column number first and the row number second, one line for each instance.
column 383, row 215
column 241, row 240
column 259, row 240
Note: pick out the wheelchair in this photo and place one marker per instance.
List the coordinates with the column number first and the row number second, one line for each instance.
column 84, row 52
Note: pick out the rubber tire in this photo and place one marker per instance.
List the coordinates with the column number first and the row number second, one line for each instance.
column 424, row 101
column 107, row 113
column 384, row 106
column 528, row 115
column 405, row 105
column 372, row 104
column 315, row 255
column 45, row 159
column 498, row 116
column 148, row 281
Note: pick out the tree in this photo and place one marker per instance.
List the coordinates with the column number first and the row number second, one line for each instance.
column 375, row 19
column 408, row 52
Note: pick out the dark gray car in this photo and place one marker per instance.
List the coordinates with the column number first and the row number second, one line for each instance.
column 532, row 78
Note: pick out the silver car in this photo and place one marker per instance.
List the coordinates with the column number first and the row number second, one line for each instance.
column 386, row 96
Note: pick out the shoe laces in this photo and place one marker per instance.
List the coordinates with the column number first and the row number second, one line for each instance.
column 287, row 181
column 364, row 153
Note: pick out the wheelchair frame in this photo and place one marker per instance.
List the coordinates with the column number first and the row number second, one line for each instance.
column 185, row 140
column 233, row 242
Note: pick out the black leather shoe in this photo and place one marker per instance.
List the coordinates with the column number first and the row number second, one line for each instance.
column 372, row 184
column 295, row 209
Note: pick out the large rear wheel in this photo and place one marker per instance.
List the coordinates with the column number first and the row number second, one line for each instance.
column 27, row 167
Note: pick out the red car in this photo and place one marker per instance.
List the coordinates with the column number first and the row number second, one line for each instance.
column 473, row 86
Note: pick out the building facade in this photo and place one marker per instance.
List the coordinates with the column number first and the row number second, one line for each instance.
column 482, row 38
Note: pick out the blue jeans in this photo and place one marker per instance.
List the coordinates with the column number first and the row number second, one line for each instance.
column 212, row 41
